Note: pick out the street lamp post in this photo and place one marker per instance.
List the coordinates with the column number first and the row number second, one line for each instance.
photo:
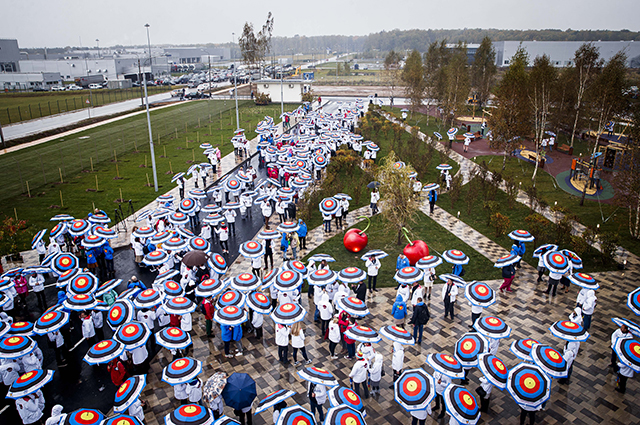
column 146, row 97
column 235, row 80
column 98, row 43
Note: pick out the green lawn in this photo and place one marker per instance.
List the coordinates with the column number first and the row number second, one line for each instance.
column 610, row 217
column 129, row 139
column 438, row 239
column 16, row 107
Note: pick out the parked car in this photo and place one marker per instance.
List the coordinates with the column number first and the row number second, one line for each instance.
column 74, row 87
column 57, row 88
column 38, row 88
column 94, row 86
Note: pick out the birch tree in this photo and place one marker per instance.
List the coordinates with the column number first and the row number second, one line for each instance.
column 542, row 80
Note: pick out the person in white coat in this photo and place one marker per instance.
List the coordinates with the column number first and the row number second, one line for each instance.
column 297, row 342
column 569, row 354
column 622, row 332
column 494, row 343
column 326, row 309
column 476, row 312
column 358, row 376
column 57, row 417
column 9, row 372
column 449, row 292
column 194, row 390
column 405, row 292
column 419, row 417
column 334, row 336
column 442, row 381
column 136, row 410
column 373, row 266
column 36, row 282
column 588, row 306
column 180, row 393
column 485, row 393
column 397, row 361
column 57, row 342
column 30, row 408
column 88, row 328
column 317, row 397
column 30, row 362
column 282, row 341
column 375, row 373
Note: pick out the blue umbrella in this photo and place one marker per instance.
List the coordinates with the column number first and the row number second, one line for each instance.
column 239, row 391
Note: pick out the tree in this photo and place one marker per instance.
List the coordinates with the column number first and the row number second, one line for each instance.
column 254, row 47
column 413, row 77
column 627, row 178
column 392, row 70
column 510, row 119
column 607, row 98
column 436, row 59
column 587, row 66
column 542, row 81
column 396, row 194
column 456, row 93
column 483, row 70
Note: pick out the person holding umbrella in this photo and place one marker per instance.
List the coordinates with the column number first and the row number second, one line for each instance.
column 419, row 319
column 442, row 382
column 375, row 197
column 358, row 375
column 373, row 266
column 31, row 408
column 622, row 332
column 449, row 292
column 317, row 397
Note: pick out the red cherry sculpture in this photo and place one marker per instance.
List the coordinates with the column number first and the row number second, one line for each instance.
column 355, row 240
column 415, row 250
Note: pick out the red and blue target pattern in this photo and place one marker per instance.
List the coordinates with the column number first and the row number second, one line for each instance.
column 354, row 306
column 187, row 205
column 179, row 305
column 173, row 338
column 628, row 351
column 270, row 277
column 78, row 227
column 156, row 258
column 322, row 277
column 133, row 335
column 122, row 420
column 259, row 302
column 460, row 404
column 522, row 348
column 407, row 275
column 63, row 262
column 273, row 399
column 176, row 243
column 320, row 161
column 172, row 288
column 584, row 280
column 189, row 414
column 128, row 392
column 494, row 370
column 210, row 287
column 51, row 321
column 15, row 346
column 288, row 280
column 181, row 370
column 83, row 283
column 296, row 415
column 446, row 364
column 120, row 312
column 231, row 297
column 521, row 235
column 344, row 415
column 528, row 385
column 492, row 327
column 469, row 347
column 104, row 351
column 397, row 334
column 230, row 315
column 218, row 263
column 428, row 262
column 199, row 243
column 29, row 382
column 550, row 360
column 84, row 417
column 148, row 298
column 351, row 275
column 455, row 256
column 296, row 266
column 633, row 301
column 23, row 328
column 415, row 389
column 555, row 261
column 329, row 206
column 569, row 331
column 245, row 282
column 480, row 294
column 345, row 396
column 288, row 314
column 251, row 249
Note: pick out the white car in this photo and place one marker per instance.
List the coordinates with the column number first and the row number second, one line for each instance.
column 95, row 86
column 57, row 88
column 74, row 87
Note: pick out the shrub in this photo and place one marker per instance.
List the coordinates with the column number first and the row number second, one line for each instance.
column 10, row 229
column 262, row 99
column 511, row 189
column 563, row 231
column 539, row 227
column 608, row 245
column 532, row 193
column 491, row 206
column 579, row 245
column 501, row 224
column 456, row 189
column 308, row 96
column 472, row 193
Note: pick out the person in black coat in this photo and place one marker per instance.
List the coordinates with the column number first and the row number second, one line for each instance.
column 419, row 318
column 361, row 291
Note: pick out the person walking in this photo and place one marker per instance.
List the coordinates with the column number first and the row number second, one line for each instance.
column 361, row 291
column 350, row 343
column 508, row 274
column 432, row 197
column 419, row 319
column 36, row 282
column 399, row 311
column 375, row 373
column 31, row 408
column 622, row 332
column 484, row 391
column 554, row 279
column 334, row 336
column 297, row 342
column 397, row 361
column 326, row 220
column 223, row 236
column 208, row 310
column 230, row 217
column 317, row 397
column 294, row 243
column 588, row 306
column 375, row 197
column 282, row 341
column 326, row 309
column 284, row 246
column 373, row 265
column 358, row 376
column 476, row 312
column 302, row 234
column 449, row 292
column 401, row 262
column 442, row 382
column 268, row 254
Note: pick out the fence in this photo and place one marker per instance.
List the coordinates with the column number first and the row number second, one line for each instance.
column 32, row 106
column 52, row 162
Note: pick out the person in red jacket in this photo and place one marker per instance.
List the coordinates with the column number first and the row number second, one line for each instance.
column 208, row 308
column 117, row 371
column 174, row 320
column 351, row 343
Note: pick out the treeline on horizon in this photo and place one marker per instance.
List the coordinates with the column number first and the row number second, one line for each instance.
column 399, row 40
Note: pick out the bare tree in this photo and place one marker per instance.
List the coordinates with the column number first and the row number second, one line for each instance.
column 627, row 178
column 587, row 64
column 254, row 47
column 483, row 70
column 542, row 79
column 510, row 119
column 392, row 70
column 607, row 99
column 413, row 77
column 457, row 83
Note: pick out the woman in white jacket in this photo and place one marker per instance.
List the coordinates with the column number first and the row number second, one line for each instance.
column 297, row 342
column 375, row 373
column 397, row 361
column 326, row 309
column 334, row 336
column 282, row 341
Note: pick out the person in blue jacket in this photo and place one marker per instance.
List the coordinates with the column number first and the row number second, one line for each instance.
column 399, row 311
column 302, row 234
column 458, row 270
column 237, row 338
column 226, row 334
column 284, row 245
column 521, row 250
column 433, row 197
column 135, row 283
column 108, row 258
column 402, row 262
column 92, row 260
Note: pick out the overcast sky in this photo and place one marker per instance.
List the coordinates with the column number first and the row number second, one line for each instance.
column 56, row 23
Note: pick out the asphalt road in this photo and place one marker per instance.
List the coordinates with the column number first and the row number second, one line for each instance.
column 28, row 128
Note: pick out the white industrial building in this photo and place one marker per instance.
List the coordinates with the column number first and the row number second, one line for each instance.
column 29, row 81
column 562, row 53
column 289, row 90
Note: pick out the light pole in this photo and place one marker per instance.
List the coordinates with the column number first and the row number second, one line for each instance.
column 235, row 80
column 146, row 98
column 98, row 43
